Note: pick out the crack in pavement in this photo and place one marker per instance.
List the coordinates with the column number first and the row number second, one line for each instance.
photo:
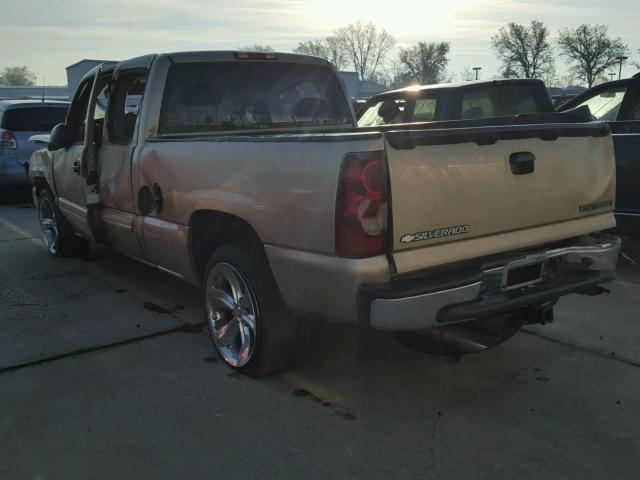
column 584, row 349
column 182, row 328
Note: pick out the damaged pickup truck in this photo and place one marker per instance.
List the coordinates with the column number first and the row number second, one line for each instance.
column 245, row 174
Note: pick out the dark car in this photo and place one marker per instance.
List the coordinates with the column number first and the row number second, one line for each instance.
column 19, row 120
column 618, row 103
column 456, row 101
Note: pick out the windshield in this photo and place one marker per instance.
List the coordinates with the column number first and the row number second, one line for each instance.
column 34, row 119
column 237, row 96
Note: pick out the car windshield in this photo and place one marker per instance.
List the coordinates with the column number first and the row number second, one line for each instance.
column 40, row 118
column 204, row 97
column 605, row 105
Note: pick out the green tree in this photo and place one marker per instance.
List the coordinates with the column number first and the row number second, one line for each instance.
column 591, row 51
column 365, row 46
column 524, row 51
column 329, row 49
column 17, row 76
column 426, row 62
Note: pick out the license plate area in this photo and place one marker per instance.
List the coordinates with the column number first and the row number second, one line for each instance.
column 521, row 273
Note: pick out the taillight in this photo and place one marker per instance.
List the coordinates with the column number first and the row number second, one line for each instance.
column 361, row 206
column 7, row 140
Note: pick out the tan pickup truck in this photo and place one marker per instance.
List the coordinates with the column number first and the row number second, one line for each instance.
column 245, row 174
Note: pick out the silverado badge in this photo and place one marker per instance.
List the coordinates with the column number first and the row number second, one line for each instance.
column 437, row 233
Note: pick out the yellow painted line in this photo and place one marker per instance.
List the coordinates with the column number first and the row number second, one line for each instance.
column 19, row 231
column 316, row 390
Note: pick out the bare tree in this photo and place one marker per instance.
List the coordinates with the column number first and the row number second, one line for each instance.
column 17, row 76
column 257, row 48
column 365, row 46
column 590, row 50
column 467, row 74
column 329, row 49
column 524, row 51
column 426, row 61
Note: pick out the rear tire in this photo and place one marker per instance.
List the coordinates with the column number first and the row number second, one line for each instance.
column 250, row 326
column 57, row 235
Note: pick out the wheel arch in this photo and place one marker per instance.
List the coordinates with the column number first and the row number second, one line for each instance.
column 209, row 229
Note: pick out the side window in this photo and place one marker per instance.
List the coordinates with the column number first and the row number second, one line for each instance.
column 384, row 112
column 78, row 113
column 424, row 109
column 476, row 105
column 605, row 104
column 125, row 101
column 631, row 109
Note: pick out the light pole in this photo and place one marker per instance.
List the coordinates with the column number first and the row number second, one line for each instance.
column 612, row 74
column 621, row 59
column 477, row 69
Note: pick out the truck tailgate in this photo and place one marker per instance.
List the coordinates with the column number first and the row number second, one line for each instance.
column 455, row 185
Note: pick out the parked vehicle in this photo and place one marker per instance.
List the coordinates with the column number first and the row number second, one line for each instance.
column 456, row 101
column 618, row 103
column 244, row 173
column 19, row 120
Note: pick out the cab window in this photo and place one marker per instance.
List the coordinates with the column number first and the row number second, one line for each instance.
column 605, row 105
column 424, row 110
column 125, row 102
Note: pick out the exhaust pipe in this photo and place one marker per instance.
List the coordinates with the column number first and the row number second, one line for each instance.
column 465, row 339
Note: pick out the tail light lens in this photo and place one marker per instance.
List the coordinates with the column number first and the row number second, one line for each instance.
column 7, row 140
column 361, row 206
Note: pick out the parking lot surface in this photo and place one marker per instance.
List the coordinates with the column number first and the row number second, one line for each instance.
column 106, row 371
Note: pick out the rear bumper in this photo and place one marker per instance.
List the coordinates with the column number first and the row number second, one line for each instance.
column 476, row 292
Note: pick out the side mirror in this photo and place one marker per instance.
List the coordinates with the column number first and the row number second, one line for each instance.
column 59, row 137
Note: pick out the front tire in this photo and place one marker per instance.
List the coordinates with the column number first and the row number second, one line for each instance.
column 57, row 235
column 251, row 328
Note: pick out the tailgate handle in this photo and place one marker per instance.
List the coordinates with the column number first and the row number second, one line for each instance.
column 522, row 163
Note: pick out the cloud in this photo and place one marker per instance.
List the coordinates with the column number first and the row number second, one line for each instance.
column 116, row 29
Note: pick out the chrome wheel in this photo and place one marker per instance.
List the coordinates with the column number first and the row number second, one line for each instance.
column 232, row 313
column 48, row 224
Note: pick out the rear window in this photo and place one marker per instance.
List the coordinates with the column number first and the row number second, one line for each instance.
column 203, row 97
column 504, row 100
column 33, row 119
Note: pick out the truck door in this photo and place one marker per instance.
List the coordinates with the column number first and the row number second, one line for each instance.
column 119, row 140
column 70, row 163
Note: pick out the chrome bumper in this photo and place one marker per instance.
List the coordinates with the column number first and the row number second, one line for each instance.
column 587, row 262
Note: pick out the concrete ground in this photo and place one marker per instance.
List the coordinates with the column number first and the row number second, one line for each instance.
column 105, row 372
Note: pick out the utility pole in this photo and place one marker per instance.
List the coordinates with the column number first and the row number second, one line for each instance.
column 477, row 69
column 621, row 59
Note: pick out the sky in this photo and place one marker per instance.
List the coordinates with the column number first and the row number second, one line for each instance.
column 47, row 36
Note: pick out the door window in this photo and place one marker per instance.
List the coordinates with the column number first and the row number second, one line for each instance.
column 124, row 106
column 77, row 118
column 605, row 105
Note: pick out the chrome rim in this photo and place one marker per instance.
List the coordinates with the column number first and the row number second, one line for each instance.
column 48, row 225
column 232, row 314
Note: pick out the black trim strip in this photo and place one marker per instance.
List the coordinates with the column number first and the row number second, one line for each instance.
column 490, row 135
